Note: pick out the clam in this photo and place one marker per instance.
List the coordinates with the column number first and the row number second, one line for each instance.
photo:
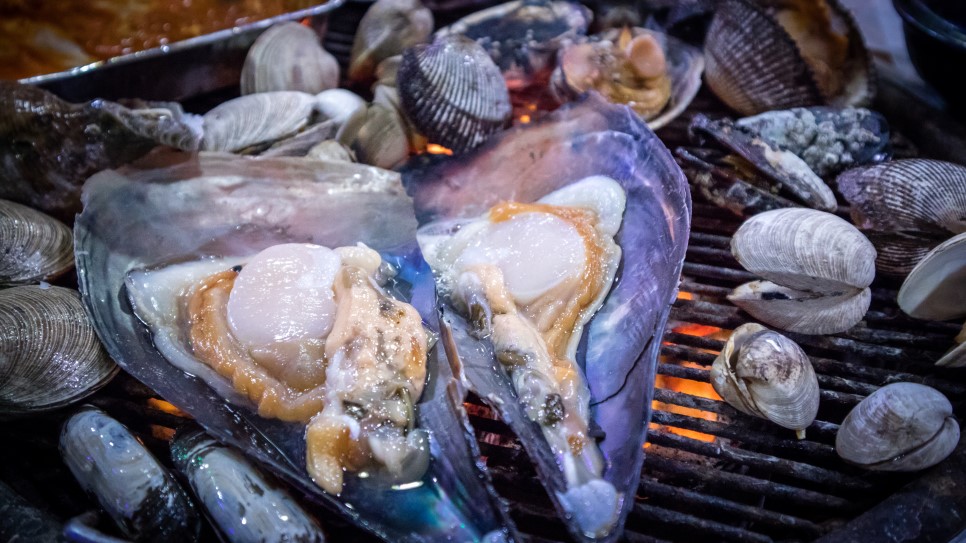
column 256, row 119
column 246, row 504
column 453, row 93
column 776, row 54
column 49, row 354
column 525, row 235
column 388, row 28
column 906, row 207
column 382, row 140
column 35, row 246
column 302, row 142
column 524, row 36
column 900, row 427
column 49, row 147
column 764, row 374
column 817, row 268
column 369, row 439
column 657, row 75
column 288, row 57
column 333, row 151
column 136, row 491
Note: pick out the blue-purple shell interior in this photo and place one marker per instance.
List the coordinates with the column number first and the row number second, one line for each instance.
column 619, row 348
column 173, row 207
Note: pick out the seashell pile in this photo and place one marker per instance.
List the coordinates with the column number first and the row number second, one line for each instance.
column 764, row 374
column 817, row 269
column 288, row 57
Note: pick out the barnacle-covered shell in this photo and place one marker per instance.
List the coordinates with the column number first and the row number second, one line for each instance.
column 49, row 354
column 34, row 246
column 762, row 373
column 256, row 119
column 907, row 207
column 806, row 250
column 388, row 28
column 453, row 92
column 139, row 494
column 936, row 287
column 775, row 55
column 288, row 57
column 900, row 427
column 802, row 312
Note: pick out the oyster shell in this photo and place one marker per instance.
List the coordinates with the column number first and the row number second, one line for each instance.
column 453, row 93
column 288, row 57
column 136, row 491
column 215, row 205
column 388, row 28
column 256, row 119
column 49, row 354
column 35, row 246
column 588, row 138
column 906, row 207
column 764, row 374
column 900, row 427
column 777, row 54
column 822, row 265
column 657, row 75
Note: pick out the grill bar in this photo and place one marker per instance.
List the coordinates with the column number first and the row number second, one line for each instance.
column 719, row 531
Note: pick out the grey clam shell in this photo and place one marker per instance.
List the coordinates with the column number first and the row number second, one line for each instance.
column 136, row 491
column 387, row 29
column 453, row 92
column 907, row 206
column 936, row 287
column 256, row 119
column 288, row 57
column 799, row 311
column 49, row 353
column 245, row 504
column 34, row 247
column 900, row 427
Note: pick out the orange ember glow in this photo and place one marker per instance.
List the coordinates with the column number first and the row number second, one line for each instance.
column 435, row 149
column 168, row 408
column 525, row 119
column 162, row 432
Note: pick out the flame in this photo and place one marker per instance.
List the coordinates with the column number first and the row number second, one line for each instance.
column 525, row 119
column 436, row 149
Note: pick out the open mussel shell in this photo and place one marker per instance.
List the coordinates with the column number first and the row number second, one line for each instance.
column 453, row 93
column 49, row 354
column 246, row 504
column 764, row 374
column 754, row 64
column 620, row 343
column 907, row 207
column 136, row 491
column 219, row 205
column 256, row 119
column 602, row 57
column 388, row 28
column 900, row 427
column 288, row 57
column 35, row 246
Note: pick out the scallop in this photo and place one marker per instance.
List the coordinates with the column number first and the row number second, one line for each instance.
column 256, row 119
column 288, row 57
column 453, row 92
column 35, row 246
column 388, row 28
column 900, row 427
column 49, row 354
column 780, row 54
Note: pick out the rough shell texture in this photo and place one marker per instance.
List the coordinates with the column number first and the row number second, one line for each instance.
column 34, row 247
column 900, row 427
column 388, row 28
column 288, row 57
column 256, row 119
column 802, row 312
column 936, row 287
column 753, row 65
column 183, row 209
column 136, row 491
column 581, row 139
column 453, row 93
column 765, row 374
column 49, row 354
column 246, row 504
column 805, row 250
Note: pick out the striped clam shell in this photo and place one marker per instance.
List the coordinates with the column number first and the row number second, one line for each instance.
column 256, row 119
column 453, row 92
column 907, row 206
column 289, row 57
column 34, row 247
column 754, row 65
column 49, row 353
